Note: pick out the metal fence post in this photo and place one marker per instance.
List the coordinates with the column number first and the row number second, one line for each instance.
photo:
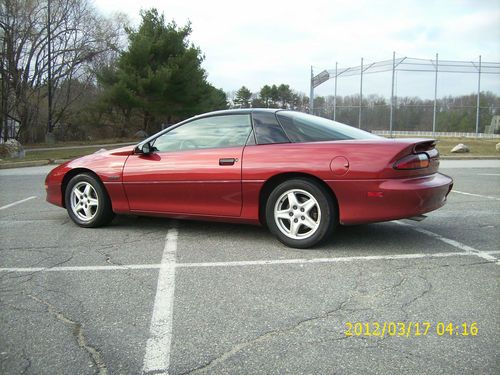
column 478, row 95
column 335, row 95
column 435, row 97
column 360, row 94
column 311, row 95
column 392, row 92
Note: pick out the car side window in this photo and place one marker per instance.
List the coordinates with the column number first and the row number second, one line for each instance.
column 208, row 132
column 268, row 130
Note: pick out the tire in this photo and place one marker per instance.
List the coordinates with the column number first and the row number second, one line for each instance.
column 87, row 201
column 301, row 213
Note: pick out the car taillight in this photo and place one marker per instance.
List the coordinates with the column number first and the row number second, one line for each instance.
column 415, row 161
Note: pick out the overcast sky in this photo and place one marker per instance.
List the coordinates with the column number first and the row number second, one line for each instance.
column 257, row 42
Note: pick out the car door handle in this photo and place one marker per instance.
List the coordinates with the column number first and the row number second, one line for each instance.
column 227, row 161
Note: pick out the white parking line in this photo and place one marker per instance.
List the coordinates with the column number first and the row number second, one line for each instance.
column 83, row 268
column 17, row 202
column 458, row 245
column 157, row 357
column 269, row 262
column 475, row 195
column 318, row 260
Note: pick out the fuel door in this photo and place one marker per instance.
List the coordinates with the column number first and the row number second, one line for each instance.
column 339, row 166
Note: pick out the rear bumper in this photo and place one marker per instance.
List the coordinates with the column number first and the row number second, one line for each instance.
column 365, row 201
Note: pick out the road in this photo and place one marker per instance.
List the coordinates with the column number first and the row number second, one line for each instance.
column 149, row 295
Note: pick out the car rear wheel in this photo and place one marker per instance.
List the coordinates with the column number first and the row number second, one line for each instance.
column 301, row 213
column 87, row 202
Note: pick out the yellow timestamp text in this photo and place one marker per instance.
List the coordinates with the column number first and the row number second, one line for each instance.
column 410, row 329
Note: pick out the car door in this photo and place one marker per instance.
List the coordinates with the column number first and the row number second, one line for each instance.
column 195, row 169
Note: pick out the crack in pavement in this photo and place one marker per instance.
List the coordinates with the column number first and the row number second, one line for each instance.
column 10, row 275
column 402, row 280
column 28, row 364
column 126, row 241
column 273, row 333
column 60, row 292
column 426, row 290
column 129, row 272
column 277, row 332
column 433, row 267
column 30, row 248
column 332, row 339
column 94, row 354
column 360, row 282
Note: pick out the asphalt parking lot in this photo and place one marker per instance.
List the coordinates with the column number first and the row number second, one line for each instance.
column 149, row 295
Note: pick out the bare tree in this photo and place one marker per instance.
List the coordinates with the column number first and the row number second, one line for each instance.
column 79, row 37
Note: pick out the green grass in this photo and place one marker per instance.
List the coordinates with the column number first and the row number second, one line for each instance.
column 80, row 143
column 55, row 154
column 477, row 146
column 61, row 154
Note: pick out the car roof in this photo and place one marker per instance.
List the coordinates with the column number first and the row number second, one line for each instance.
column 242, row 111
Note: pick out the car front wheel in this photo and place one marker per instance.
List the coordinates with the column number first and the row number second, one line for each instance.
column 301, row 213
column 87, row 201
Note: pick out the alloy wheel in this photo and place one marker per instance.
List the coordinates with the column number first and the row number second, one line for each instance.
column 84, row 201
column 297, row 214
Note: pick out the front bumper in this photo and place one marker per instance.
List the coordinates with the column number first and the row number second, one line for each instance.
column 53, row 183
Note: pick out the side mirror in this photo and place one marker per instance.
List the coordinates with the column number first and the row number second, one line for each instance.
column 145, row 149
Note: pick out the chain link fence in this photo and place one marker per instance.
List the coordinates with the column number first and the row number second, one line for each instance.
column 466, row 114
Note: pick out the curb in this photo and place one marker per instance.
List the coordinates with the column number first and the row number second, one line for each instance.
column 33, row 163
column 464, row 157
column 79, row 147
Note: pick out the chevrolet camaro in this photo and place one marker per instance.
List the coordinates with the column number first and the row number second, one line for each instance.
column 298, row 174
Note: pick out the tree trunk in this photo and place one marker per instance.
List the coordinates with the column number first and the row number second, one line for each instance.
column 145, row 124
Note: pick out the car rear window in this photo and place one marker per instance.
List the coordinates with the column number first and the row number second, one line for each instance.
column 301, row 127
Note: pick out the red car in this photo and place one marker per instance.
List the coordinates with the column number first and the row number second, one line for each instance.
column 300, row 175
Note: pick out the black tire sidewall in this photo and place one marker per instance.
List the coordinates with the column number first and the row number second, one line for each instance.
column 104, row 212
column 328, row 212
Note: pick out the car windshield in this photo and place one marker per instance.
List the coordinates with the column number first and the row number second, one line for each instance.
column 301, row 127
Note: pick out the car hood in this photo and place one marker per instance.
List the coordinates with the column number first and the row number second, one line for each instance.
column 107, row 164
column 102, row 154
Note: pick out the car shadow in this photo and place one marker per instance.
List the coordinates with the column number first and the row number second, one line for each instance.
column 389, row 236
